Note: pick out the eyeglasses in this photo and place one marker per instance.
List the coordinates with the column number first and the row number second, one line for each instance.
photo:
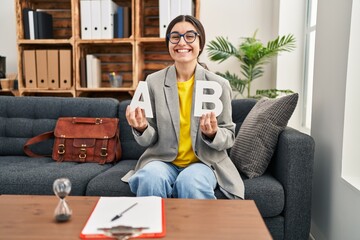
column 189, row 37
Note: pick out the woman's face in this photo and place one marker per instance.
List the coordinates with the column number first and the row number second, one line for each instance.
column 183, row 52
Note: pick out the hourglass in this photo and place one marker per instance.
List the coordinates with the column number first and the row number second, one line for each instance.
column 62, row 188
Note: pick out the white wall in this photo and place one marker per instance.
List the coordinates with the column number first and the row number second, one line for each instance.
column 8, row 35
column 271, row 18
column 236, row 19
column 336, row 205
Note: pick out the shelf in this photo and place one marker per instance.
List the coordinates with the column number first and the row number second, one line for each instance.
column 143, row 53
column 106, row 89
column 105, row 41
column 60, row 10
column 45, row 41
column 153, row 57
column 148, row 19
column 151, row 40
column 46, row 92
column 9, row 92
column 116, row 57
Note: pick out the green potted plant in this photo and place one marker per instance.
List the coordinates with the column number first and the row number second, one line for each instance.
column 252, row 56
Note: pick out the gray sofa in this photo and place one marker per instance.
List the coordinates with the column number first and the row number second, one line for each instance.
column 282, row 194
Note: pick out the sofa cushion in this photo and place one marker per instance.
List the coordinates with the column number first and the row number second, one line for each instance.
column 257, row 138
column 268, row 194
column 109, row 182
column 35, row 176
column 266, row 191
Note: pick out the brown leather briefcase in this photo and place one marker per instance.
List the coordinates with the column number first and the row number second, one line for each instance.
column 80, row 139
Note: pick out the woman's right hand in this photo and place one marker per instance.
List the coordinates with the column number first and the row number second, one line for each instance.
column 136, row 118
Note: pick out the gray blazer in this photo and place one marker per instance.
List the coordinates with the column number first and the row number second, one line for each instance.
column 161, row 136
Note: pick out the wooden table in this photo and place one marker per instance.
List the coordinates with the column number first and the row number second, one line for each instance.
column 31, row 217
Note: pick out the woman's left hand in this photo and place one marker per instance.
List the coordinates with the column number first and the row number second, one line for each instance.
column 209, row 125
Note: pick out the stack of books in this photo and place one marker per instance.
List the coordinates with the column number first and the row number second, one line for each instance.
column 104, row 19
column 38, row 24
column 48, row 69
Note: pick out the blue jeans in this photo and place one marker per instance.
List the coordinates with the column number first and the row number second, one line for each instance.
column 166, row 180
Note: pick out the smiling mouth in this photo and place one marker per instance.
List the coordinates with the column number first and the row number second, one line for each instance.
column 183, row 50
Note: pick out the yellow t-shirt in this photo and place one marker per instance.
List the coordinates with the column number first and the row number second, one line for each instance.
column 186, row 154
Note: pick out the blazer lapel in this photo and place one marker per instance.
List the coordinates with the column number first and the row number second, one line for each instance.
column 172, row 99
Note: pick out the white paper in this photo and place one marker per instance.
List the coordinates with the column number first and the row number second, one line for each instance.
column 147, row 213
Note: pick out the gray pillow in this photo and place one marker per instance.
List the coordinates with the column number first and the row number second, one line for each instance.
column 256, row 140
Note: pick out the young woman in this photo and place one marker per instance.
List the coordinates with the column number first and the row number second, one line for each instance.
column 186, row 155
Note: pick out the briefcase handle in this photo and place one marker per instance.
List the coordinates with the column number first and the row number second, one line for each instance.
column 37, row 139
column 76, row 120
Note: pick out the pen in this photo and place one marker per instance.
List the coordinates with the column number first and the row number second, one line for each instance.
column 120, row 214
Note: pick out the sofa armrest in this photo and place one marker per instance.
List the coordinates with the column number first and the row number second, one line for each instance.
column 293, row 168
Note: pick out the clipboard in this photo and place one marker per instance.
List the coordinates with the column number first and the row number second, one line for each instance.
column 148, row 212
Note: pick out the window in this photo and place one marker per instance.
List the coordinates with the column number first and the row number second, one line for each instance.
column 310, row 30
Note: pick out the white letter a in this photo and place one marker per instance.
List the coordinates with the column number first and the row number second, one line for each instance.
column 142, row 92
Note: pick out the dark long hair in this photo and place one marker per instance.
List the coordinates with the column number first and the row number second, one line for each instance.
column 195, row 22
